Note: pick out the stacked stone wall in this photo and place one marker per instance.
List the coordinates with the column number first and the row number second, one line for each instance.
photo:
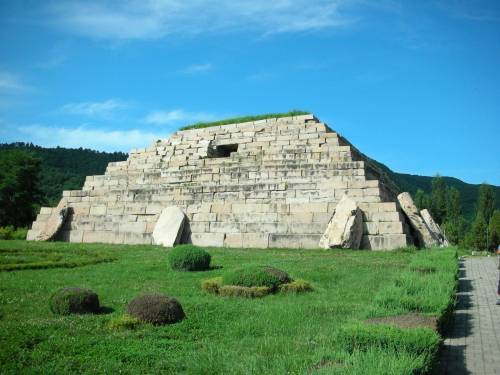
column 268, row 183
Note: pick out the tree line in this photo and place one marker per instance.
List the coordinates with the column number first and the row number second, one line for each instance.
column 444, row 204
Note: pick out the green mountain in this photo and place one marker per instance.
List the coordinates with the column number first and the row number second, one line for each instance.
column 411, row 183
column 66, row 168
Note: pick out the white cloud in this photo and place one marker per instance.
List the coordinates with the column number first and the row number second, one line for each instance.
column 97, row 139
column 94, row 109
column 176, row 116
column 10, row 83
column 153, row 19
column 52, row 62
column 197, row 68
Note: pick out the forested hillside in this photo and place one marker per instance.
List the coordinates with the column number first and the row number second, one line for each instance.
column 411, row 183
column 65, row 169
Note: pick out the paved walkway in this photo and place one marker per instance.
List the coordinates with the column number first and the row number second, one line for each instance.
column 473, row 343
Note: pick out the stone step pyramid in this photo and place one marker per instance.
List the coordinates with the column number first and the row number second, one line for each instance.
column 267, row 183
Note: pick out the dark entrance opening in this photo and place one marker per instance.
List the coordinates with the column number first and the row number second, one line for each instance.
column 224, row 151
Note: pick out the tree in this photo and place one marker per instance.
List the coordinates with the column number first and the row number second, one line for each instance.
column 453, row 204
column 19, row 193
column 422, row 200
column 438, row 199
column 476, row 238
column 485, row 202
column 494, row 230
column 454, row 225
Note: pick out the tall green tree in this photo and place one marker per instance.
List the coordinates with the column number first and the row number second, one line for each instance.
column 19, row 192
column 494, row 230
column 422, row 200
column 454, row 226
column 479, row 238
column 438, row 199
column 485, row 202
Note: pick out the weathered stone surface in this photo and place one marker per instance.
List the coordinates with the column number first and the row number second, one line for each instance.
column 345, row 228
column 54, row 222
column 434, row 227
column 424, row 235
column 168, row 228
column 267, row 183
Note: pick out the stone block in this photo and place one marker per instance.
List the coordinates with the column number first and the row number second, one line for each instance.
column 204, row 216
column 133, row 227
column 168, row 229
column 208, row 239
column 345, row 228
column 294, row 241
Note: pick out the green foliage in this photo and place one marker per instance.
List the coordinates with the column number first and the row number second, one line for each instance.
column 10, row 233
column 494, row 230
column 485, row 202
column 21, row 255
column 296, row 286
column 62, row 168
column 422, row 200
column 156, row 309
column 253, row 276
column 74, row 301
column 212, row 285
column 123, row 322
column 19, row 191
column 477, row 238
column 438, row 199
column 189, row 258
column 237, row 120
column 244, row 291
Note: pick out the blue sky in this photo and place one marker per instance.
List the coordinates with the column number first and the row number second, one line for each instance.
column 413, row 84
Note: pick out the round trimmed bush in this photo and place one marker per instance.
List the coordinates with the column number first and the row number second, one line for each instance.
column 189, row 258
column 74, row 301
column 256, row 276
column 156, row 309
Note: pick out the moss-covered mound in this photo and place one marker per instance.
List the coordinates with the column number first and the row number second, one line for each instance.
column 156, row 309
column 256, row 276
column 74, row 301
column 189, row 258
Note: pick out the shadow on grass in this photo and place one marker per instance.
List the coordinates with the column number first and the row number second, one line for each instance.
column 104, row 310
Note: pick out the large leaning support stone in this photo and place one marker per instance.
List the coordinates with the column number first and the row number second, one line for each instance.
column 54, row 222
column 345, row 228
column 434, row 227
column 424, row 235
column 168, row 228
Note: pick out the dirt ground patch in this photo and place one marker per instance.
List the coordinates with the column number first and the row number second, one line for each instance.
column 407, row 321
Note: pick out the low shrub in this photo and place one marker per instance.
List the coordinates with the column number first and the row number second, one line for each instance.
column 189, row 258
column 156, row 309
column 212, row 285
column 9, row 233
column 74, row 301
column 244, row 291
column 123, row 322
column 296, row 286
column 255, row 276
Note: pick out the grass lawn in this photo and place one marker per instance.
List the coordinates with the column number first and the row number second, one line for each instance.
column 319, row 332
